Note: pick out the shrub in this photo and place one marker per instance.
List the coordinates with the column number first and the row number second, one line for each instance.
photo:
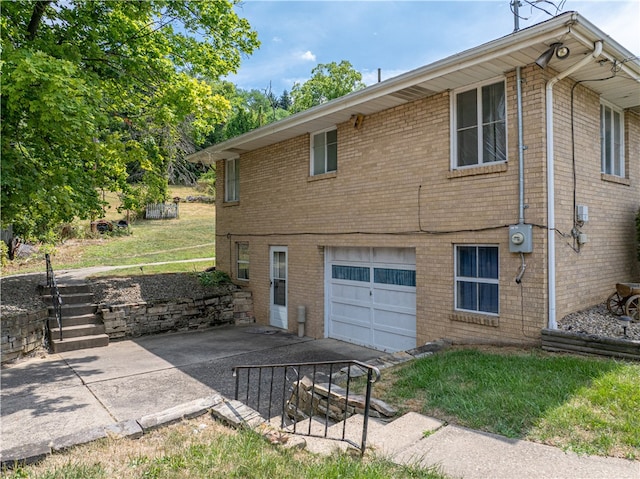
column 4, row 254
column 213, row 278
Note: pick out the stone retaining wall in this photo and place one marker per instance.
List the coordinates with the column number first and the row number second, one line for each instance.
column 137, row 319
column 22, row 334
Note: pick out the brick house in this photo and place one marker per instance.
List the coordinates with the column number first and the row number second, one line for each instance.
column 479, row 198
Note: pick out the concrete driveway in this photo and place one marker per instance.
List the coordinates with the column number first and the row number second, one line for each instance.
column 63, row 394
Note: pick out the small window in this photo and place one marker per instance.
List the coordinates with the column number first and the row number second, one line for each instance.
column 232, row 180
column 612, row 140
column 243, row 260
column 480, row 134
column 351, row 273
column 324, row 152
column 476, row 279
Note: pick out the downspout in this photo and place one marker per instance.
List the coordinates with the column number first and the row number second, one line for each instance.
column 521, row 147
column 551, row 194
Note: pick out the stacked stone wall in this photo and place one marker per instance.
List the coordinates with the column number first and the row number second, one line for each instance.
column 22, row 334
column 138, row 319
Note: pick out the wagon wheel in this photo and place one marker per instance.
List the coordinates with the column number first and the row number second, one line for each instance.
column 632, row 307
column 615, row 304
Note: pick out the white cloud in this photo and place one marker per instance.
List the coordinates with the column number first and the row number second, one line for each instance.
column 276, row 40
column 308, row 56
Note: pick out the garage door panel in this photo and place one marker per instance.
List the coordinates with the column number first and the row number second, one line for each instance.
column 393, row 341
column 350, row 291
column 350, row 255
column 394, row 255
column 350, row 312
column 395, row 321
column 350, row 332
column 405, row 299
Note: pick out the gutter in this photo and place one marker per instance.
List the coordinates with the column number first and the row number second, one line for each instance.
column 551, row 194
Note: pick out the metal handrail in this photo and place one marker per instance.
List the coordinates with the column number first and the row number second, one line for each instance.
column 56, row 298
column 264, row 403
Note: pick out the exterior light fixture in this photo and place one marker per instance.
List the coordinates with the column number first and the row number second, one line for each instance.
column 624, row 321
column 558, row 49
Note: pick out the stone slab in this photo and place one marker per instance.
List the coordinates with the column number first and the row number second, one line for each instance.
column 180, row 412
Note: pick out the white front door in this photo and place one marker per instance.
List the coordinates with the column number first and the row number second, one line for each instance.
column 278, row 293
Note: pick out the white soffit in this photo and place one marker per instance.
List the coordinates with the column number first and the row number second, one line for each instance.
column 478, row 64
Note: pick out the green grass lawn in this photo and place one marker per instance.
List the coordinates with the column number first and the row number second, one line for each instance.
column 190, row 236
column 587, row 405
column 201, row 449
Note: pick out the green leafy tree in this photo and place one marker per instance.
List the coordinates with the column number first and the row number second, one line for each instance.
column 250, row 109
column 327, row 82
column 104, row 95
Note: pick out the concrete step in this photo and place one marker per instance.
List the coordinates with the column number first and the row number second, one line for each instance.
column 70, row 310
column 69, row 288
column 73, row 298
column 69, row 332
column 80, row 320
column 402, row 434
column 353, row 426
column 73, row 344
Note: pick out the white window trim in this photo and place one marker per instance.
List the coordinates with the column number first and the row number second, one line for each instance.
column 241, row 261
column 311, row 149
column 227, row 181
column 622, row 158
column 473, row 280
column 454, row 129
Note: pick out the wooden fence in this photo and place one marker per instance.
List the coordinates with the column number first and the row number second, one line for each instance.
column 161, row 211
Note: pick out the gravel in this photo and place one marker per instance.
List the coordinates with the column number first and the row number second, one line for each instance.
column 19, row 294
column 598, row 321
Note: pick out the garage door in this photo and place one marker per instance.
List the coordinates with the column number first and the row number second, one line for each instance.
column 371, row 296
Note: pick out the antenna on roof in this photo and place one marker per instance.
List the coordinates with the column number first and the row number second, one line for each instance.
column 515, row 4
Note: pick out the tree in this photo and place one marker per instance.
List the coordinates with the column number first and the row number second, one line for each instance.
column 327, row 82
column 97, row 94
column 250, row 109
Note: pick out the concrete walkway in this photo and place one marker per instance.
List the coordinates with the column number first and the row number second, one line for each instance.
column 64, row 399
column 64, row 394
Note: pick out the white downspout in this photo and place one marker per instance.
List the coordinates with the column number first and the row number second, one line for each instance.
column 551, row 194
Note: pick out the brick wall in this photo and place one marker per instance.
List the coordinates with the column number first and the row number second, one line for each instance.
column 394, row 178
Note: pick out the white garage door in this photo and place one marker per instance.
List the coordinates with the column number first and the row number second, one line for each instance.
column 371, row 296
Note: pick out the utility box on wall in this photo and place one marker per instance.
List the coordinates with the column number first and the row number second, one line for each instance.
column 520, row 238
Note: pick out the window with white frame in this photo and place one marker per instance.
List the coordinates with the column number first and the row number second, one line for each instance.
column 476, row 278
column 242, row 255
column 232, row 179
column 612, row 140
column 324, row 152
column 480, row 135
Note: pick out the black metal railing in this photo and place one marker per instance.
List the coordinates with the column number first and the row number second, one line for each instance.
column 311, row 397
column 56, row 299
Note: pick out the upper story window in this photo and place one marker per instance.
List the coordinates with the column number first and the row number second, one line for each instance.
column 479, row 116
column 324, row 152
column 476, row 278
column 612, row 140
column 232, row 179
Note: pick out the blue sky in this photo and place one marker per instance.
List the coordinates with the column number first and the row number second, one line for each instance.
column 395, row 36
